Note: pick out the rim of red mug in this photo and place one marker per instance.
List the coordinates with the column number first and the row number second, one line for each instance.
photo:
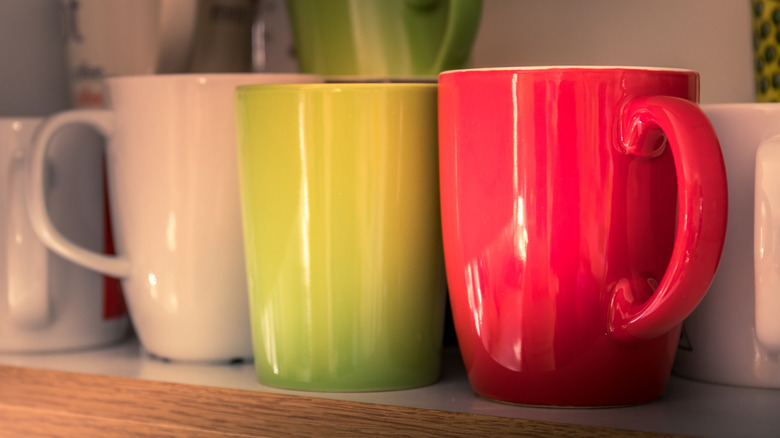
column 570, row 67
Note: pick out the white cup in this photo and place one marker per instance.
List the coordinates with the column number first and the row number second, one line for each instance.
column 33, row 64
column 47, row 303
column 733, row 336
column 174, row 197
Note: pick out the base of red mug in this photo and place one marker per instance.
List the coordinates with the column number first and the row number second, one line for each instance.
column 560, row 392
column 574, row 400
column 567, row 402
column 609, row 374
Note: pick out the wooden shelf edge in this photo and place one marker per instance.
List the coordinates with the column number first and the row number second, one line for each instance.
column 69, row 400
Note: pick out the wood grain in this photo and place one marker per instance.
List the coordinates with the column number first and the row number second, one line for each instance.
column 34, row 423
column 55, row 403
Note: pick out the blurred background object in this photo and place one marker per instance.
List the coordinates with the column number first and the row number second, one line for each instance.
column 766, row 49
column 713, row 37
column 383, row 38
column 33, row 65
column 273, row 47
column 223, row 38
column 130, row 37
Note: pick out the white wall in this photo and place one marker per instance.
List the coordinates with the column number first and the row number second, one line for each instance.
column 712, row 37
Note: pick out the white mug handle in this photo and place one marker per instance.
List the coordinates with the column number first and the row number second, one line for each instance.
column 27, row 275
column 766, row 243
column 103, row 122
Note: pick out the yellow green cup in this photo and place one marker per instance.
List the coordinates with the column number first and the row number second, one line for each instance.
column 342, row 232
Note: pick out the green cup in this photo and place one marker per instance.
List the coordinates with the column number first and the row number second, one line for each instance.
column 342, row 234
column 383, row 37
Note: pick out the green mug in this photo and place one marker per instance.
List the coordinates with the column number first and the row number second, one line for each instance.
column 394, row 38
column 342, row 234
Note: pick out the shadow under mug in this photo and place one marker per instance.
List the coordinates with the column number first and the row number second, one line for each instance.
column 174, row 194
column 569, row 270
column 46, row 302
column 342, row 234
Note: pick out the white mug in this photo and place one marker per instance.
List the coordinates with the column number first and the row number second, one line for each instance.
column 48, row 303
column 33, row 64
column 733, row 336
column 174, row 196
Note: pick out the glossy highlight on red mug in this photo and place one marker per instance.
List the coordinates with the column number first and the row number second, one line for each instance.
column 569, row 263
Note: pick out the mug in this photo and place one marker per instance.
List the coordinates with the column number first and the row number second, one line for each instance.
column 47, row 303
column 33, row 70
column 108, row 38
column 174, row 198
column 733, row 336
column 383, row 38
column 568, row 275
column 342, row 232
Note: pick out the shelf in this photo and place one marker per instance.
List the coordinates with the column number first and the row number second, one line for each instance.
column 121, row 386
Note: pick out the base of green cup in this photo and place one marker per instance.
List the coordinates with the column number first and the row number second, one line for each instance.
column 365, row 381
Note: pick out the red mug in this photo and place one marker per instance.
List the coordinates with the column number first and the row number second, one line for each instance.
column 584, row 213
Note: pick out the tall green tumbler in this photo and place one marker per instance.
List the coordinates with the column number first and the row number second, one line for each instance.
column 342, row 230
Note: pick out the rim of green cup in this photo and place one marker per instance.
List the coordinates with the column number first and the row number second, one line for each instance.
column 333, row 86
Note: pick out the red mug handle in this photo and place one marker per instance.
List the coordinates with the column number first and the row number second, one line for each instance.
column 701, row 218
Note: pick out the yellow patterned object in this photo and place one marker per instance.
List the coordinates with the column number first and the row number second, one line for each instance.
column 766, row 49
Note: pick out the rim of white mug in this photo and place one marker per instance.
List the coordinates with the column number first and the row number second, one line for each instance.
column 736, row 105
column 379, row 79
column 205, row 77
column 571, row 67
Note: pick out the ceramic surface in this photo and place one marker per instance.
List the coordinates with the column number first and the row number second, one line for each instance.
column 343, row 236
column 47, row 303
column 381, row 38
column 569, row 272
column 733, row 337
column 173, row 186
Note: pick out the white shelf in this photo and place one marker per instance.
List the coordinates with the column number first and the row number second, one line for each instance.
column 686, row 407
